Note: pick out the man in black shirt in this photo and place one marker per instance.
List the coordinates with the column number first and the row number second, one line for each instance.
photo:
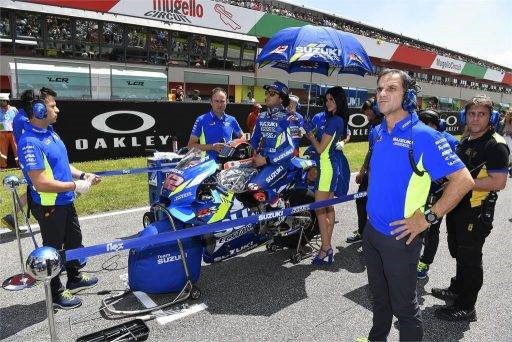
column 371, row 110
column 485, row 154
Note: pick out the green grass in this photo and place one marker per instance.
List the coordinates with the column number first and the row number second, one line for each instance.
column 122, row 192
column 117, row 192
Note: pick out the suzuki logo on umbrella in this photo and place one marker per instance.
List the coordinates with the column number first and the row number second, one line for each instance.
column 302, row 52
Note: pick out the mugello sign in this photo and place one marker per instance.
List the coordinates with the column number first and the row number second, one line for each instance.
column 203, row 13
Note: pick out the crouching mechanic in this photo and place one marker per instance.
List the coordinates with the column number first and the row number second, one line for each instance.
column 485, row 154
column 52, row 185
column 272, row 142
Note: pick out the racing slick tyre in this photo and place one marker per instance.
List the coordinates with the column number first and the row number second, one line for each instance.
column 295, row 198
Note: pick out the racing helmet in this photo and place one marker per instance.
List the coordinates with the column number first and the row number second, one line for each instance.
column 236, row 150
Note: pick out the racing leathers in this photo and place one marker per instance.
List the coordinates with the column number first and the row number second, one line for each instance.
column 271, row 138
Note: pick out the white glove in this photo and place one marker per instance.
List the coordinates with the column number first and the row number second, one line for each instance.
column 82, row 186
column 340, row 145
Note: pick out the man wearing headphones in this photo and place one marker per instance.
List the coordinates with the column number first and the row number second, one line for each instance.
column 272, row 142
column 53, row 182
column 406, row 156
column 371, row 111
column 485, row 154
column 432, row 119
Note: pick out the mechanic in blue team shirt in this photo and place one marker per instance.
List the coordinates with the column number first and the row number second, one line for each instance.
column 296, row 122
column 407, row 155
column 272, row 142
column 214, row 129
column 432, row 119
column 53, row 182
column 328, row 161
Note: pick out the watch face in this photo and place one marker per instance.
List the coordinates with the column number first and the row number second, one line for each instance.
column 431, row 217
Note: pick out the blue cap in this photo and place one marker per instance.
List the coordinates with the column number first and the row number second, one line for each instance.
column 277, row 86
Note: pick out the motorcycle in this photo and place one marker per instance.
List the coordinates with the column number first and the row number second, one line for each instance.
column 199, row 191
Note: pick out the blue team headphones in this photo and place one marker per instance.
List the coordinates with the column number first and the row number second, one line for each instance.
column 39, row 110
column 38, row 107
column 409, row 102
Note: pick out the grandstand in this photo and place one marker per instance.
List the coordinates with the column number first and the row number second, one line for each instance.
column 115, row 50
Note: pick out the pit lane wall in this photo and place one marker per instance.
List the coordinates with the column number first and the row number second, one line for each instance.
column 96, row 130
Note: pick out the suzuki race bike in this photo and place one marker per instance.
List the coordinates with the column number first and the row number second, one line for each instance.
column 199, row 191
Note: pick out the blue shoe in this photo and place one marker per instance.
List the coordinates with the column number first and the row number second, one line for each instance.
column 66, row 300
column 86, row 281
column 422, row 270
column 321, row 261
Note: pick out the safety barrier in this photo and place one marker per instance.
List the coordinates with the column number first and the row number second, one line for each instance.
column 118, row 245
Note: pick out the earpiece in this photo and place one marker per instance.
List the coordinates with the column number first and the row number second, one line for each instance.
column 39, row 109
column 409, row 102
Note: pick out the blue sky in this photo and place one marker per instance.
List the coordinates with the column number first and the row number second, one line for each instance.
column 481, row 28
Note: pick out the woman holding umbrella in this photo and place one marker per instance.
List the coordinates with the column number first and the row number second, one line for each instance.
column 329, row 161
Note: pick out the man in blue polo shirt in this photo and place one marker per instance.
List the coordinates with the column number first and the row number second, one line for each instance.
column 407, row 155
column 215, row 128
column 53, row 182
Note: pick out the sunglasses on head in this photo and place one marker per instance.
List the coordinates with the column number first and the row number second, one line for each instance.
column 271, row 93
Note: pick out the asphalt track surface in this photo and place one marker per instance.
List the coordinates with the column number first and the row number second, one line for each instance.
column 261, row 296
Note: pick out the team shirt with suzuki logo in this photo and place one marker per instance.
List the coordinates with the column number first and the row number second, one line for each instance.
column 395, row 192
column 271, row 136
column 42, row 149
column 210, row 130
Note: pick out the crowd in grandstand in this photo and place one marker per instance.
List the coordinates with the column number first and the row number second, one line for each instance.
column 353, row 27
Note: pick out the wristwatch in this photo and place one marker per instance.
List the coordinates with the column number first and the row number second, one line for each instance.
column 431, row 217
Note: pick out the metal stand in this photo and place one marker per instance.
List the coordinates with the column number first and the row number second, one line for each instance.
column 22, row 280
column 44, row 263
column 49, row 309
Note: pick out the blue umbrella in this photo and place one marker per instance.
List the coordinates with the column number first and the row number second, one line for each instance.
column 315, row 49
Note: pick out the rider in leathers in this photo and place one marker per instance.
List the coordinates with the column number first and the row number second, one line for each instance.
column 272, row 142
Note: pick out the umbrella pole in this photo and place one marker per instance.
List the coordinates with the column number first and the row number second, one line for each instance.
column 309, row 93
